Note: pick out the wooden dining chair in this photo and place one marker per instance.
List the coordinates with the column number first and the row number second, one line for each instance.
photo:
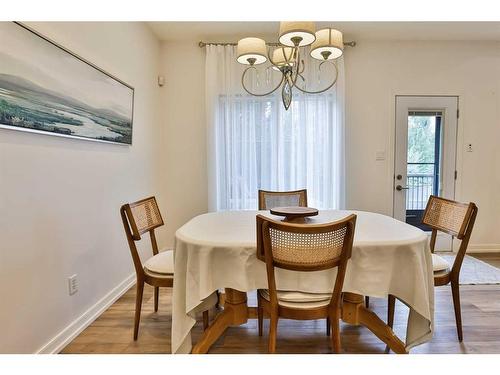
column 456, row 219
column 306, row 248
column 158, row 271
column 272, row 199
column 295, row 198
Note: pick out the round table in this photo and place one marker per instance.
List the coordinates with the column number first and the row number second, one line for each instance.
column 217, row 250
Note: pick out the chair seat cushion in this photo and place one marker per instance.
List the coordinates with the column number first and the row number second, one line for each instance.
column 299, row 300
column 161, row 263
column 439, row 263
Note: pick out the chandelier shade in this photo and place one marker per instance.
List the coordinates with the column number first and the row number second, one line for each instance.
column 283, row 56
column 251, row 51
column 297, row 34
column 329, row 45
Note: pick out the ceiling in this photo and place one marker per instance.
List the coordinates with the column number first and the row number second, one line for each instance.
column 232, row 31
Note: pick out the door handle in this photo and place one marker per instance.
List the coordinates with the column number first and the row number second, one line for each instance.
column 399, row 188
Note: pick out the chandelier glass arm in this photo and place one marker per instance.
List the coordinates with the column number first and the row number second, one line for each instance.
column 296, row 69
column 251, row 93
column 323, row 90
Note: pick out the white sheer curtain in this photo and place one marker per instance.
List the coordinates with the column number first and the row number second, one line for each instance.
column 254, row 143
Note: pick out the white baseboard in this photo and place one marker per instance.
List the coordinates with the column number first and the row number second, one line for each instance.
column 63, row 338
column 483, row 248
column 472, row 248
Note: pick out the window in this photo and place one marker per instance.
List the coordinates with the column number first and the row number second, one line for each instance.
column 260, row 145
column 423, row 163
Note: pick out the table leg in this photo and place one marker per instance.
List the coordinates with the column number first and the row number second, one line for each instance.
column 235, row 313
column 355, row 312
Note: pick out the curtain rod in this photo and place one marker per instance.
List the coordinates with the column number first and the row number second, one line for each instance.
column 202, row 44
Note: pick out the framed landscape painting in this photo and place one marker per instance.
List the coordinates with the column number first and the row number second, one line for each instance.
column 45, row 88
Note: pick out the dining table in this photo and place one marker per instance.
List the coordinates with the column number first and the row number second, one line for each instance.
column 217, row 250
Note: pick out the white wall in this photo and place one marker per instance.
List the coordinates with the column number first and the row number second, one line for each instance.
column 375, row 73
column 60, row 198
column 183, row 105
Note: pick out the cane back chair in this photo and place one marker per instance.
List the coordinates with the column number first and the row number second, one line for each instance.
column 158, row 271
column 456, row 219
column 302, row 247
column 271, row 199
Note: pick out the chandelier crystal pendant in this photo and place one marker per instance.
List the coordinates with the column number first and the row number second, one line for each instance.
column 326, row 46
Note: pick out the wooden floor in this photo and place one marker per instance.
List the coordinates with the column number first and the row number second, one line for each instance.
column 112, row 331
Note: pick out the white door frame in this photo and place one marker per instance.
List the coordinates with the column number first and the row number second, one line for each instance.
column 448, row 104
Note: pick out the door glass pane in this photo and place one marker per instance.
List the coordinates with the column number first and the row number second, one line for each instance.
column 423, row 167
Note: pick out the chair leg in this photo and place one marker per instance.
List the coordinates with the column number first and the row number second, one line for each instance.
column 328, row 326
column 260, row 313
column 205, row 320
column 391, row 304
column 367, row 302
column 456, row 304
column 157, row 297
column 217, row 305
column 273, row 328
column 138, row 305
column 334, row 321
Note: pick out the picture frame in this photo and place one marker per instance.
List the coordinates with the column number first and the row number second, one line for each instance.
column 47, row 89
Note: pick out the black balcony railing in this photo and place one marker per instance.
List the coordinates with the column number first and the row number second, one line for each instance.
column 420, row 187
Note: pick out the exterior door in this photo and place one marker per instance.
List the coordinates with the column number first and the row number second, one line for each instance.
column 425, row 156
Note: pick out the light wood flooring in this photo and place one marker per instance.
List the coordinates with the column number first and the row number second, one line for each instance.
column 112, row 331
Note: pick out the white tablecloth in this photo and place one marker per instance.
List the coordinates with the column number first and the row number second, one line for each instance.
column 217, row 250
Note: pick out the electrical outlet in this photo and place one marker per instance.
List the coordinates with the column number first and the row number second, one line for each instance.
column 469, row 147
column 72, row 284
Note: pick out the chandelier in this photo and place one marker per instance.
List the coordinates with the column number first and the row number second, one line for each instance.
column 326, row 45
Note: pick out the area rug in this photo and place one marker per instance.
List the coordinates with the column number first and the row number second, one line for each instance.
column 475, row 271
